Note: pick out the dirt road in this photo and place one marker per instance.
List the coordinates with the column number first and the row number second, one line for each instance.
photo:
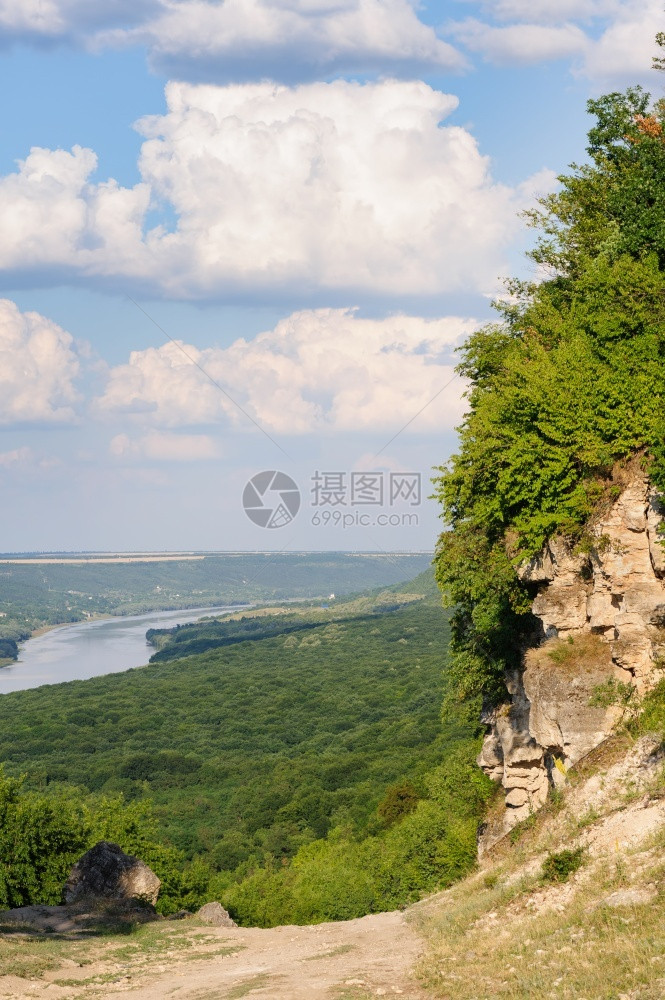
column 355, row 960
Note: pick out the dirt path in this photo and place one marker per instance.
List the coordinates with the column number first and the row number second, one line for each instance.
column 355, row 960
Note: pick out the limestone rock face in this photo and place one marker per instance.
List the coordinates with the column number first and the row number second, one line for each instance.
column 106, row 873
column 603, row 619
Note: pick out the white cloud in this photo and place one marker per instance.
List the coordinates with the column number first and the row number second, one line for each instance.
column 294, row 40
column 76, row 21
column 24, row 461
column 289, row 40
column 38, row 368
column 317, row 370
column 242, row 39
column 16, row 458
column 339, row 186
column 522, row 43
column 611, row 42
column 624, row 51
column 52, row 216
column 158, row 446
column 546, row 11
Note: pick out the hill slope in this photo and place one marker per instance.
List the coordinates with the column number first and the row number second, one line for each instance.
column 298, row 765
column 572, row 905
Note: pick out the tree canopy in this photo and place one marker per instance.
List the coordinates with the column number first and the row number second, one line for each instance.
column 570, row 381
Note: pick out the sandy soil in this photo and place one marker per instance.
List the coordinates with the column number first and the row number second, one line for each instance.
column 354, row 960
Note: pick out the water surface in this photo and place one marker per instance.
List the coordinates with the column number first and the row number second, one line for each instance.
column 89, row 649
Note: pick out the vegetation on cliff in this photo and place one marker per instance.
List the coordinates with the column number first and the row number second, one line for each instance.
column 569, row 383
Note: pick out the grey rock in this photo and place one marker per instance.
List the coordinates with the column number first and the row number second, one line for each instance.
column 215, row 915
column 629, row 897
column 655, row 517
column 106, row 873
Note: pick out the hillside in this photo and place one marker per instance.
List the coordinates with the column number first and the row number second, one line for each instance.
column 299, row 766
column 571, row 905
column 42, row 590
column 299, row 740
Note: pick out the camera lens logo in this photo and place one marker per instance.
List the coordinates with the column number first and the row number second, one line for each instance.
column 271, row 499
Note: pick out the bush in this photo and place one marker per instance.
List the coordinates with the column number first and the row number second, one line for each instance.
column 42, row 836
column 399, row 801
column 559, row 867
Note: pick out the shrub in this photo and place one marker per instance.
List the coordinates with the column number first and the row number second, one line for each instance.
column 559, row 867
column 399, row 801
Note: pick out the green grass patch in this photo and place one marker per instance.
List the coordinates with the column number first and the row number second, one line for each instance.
column 560, row 866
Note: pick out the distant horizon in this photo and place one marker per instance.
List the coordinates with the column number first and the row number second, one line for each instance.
column 157, row 554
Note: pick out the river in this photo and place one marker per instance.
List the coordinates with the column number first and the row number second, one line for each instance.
column 89, row 649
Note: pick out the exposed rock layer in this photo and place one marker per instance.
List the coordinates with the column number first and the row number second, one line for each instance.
column 603, row 618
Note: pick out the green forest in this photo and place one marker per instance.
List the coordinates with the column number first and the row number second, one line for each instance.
column 296, row 769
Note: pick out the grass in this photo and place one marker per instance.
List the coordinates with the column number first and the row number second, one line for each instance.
column 560, row 866
column 341, row 949
column 98, row 980
column 153, row 940
column 354, row 994
column 30, row 955
column 584, row 652
column 249, row 986
column 534, row 925
column 595, row 954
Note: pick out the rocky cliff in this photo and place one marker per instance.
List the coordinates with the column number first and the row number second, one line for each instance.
column 603, row 624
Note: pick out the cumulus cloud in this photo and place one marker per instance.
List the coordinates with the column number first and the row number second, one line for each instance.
column 328, row 186
column 522, row 43
column 623, row 52
column 611, row 42
column 160, row 446
column 52, row 216
column 317, row 370
column 38, row 368
column 285, row 40
column 289, row 40
column 296, row 40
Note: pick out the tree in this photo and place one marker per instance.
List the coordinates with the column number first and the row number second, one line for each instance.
column 570, row 381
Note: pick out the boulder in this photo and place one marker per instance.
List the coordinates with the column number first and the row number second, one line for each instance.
column 215, row 915
column 106, row 873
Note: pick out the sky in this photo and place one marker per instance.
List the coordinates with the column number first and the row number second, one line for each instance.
column 242, row 237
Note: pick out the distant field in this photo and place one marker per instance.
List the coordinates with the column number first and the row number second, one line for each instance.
column 39, row 589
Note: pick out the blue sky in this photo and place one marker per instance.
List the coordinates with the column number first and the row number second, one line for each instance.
column 249, row 235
